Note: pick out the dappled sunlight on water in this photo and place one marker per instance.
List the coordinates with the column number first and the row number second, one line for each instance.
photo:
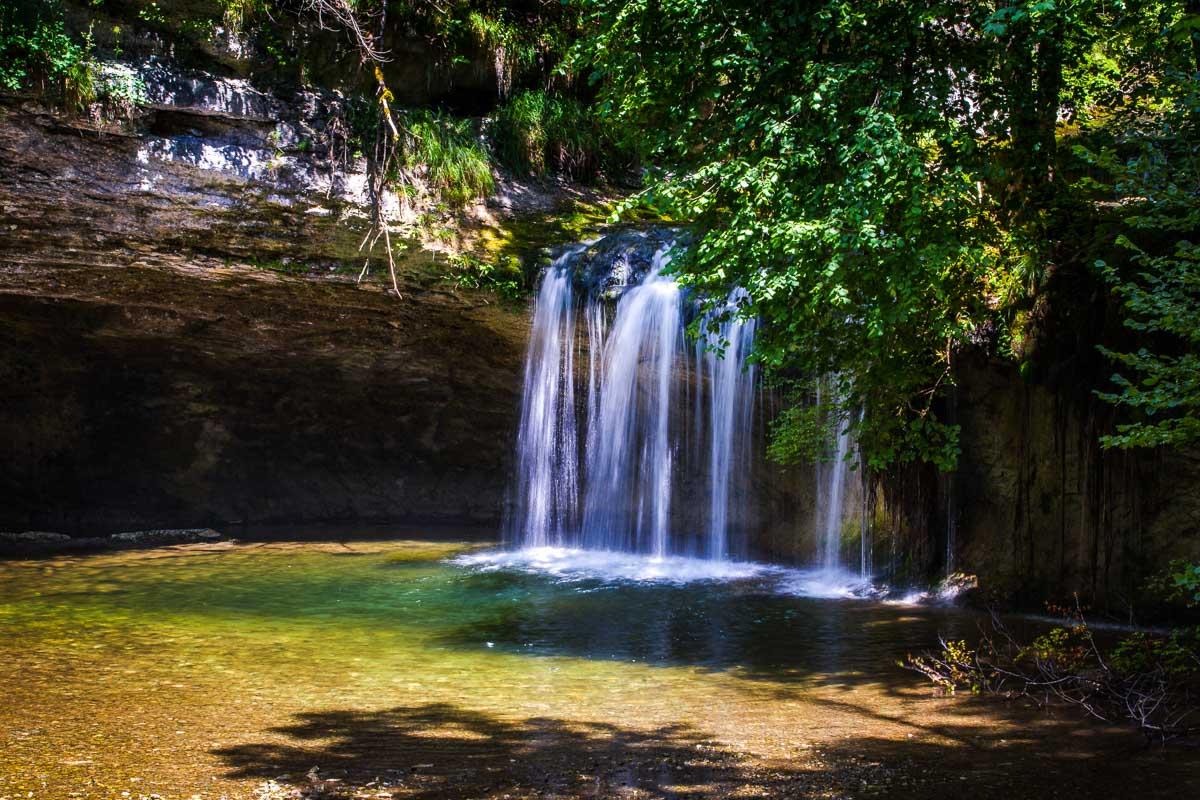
column 446, row 671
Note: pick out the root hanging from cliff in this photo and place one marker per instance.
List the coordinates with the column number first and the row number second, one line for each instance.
column 340, row 15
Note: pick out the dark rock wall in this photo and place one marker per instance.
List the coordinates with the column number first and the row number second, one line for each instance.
column 1043, row 510
column 1037, row 509
column 135, row 396
column 154, row 373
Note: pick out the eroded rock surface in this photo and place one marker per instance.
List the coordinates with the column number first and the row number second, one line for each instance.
column 185, row 345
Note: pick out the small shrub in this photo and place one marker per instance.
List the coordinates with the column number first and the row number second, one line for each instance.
column 455, row 164
column 503, row 277
column 118, row 88
column 1147, row 680
column 536, row 133
column 35, row 50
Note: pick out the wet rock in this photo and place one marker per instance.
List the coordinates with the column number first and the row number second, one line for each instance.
column 160, row 538
column 621, row 259
column 169, row 87
column 33, row 540
column 43, row 543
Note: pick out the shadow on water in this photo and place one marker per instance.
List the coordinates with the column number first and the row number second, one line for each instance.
column 444, row 751
column 743, row 629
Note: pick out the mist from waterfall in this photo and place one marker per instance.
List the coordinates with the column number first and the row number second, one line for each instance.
column 606, row 473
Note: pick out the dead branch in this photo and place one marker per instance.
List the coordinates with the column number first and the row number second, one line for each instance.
column 340, row 15
column 1160, row 700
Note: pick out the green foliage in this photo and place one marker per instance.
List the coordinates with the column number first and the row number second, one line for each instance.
column 1154, row 175
column 1186, row 580
column 800, row 432
column 117, row 86
column 449, row 154
column 520, row 40
column 517, row 48
column 886, row 181
column 537, row 133
column 36, row 48
column 235, row 13
column 959, row 658
column 1177, row 653
column 1064, row 649
column 829, row 183
column 504, row 276
column 1178, row 583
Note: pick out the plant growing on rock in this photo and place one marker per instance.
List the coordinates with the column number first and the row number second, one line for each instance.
column 539, row 133
column 37, row 52
column 447, row 154
column 503, row 276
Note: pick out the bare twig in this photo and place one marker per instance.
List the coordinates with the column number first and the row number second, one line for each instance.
column 1159, row 699
column 340, row 15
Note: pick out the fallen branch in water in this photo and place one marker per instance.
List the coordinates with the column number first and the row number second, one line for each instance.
column 1149, row 681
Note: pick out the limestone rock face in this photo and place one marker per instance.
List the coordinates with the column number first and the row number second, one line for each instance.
column 185, row 344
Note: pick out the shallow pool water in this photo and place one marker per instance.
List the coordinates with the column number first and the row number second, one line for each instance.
column 433, row 669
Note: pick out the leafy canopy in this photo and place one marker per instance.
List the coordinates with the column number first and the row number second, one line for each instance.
column 827, row 157
column 887, row 182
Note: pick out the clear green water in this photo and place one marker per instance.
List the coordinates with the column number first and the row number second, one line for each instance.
column 232, row 670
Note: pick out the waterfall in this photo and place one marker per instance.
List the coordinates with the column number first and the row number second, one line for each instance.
column 831, row 508
column 608, row 473
column 632, row 451
column 547, row 451
column 731, row 410
column 833, row 494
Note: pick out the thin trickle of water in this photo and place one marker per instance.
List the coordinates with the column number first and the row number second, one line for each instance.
column 731, row 414
column 866, row 553
column 951, row 489
column 833, row 494
column 831, row 523
column 610, row 483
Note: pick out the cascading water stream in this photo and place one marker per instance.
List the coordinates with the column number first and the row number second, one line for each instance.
column 547, row 462
column 631, row 454
column 612, row 482
column 831, row 522
column 731, row 413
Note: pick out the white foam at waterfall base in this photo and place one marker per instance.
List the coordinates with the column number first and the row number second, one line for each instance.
column 607, row 566
column 567, row 563
column 825, row 583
